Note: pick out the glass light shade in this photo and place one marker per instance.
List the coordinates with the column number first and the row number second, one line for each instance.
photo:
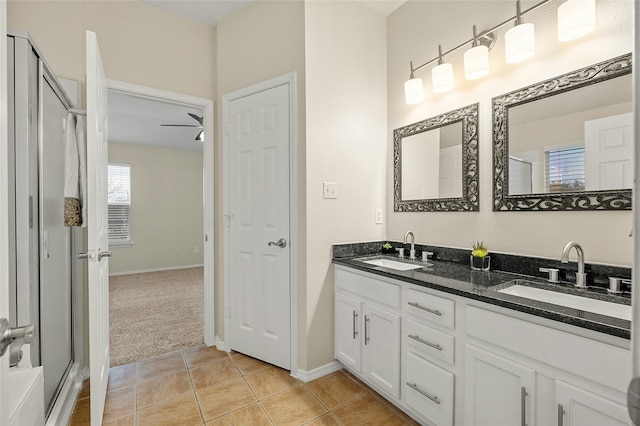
column 442, row 78
column 576, row 18
column 476, row 62
column 519, row 43
column 413, row 91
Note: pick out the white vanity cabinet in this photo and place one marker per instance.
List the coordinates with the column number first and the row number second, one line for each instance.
column 367, row 329
column 522, row 373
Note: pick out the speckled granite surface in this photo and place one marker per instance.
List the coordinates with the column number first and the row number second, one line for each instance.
column 459, row 279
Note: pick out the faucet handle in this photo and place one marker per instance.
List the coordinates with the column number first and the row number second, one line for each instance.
column 425, row 255
column 552, row 274
column 400, row 251
column 615, row 284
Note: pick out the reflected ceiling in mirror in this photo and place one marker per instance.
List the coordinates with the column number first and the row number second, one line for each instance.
column 436, row 163
column 566, row 143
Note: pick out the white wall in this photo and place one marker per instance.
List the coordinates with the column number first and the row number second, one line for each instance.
column 414, row 32
column 346, row 125
column 166, row 209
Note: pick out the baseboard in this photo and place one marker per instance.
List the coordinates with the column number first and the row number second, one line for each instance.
column 142, row 271
column 316, row 373
column 66, row 400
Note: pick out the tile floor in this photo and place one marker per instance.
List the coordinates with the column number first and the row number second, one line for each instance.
column 202, row 385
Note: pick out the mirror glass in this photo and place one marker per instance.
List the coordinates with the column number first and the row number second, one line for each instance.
column 432, row 163
column 566, row 143
column 436, row 163
column 580, row 140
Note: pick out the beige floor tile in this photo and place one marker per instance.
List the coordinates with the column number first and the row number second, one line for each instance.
column 170, row 386
column 246, row 364
column 368, row 410
column 326, row 420
column 269, row 381
column 81, row 415
column 202, row 355
column 122, row 376
column 293, row 407
column 212, row 373
column 182, row 411
column 129, row 420
column 335, row 389
column 223, row 398
column 252, row 415
column 160, row 365
column 120, row 402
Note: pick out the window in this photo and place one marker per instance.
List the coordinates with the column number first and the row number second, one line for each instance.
column 119, row 203
column 565, row 169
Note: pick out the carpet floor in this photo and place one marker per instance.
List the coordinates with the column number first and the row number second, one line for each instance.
column 155, row 313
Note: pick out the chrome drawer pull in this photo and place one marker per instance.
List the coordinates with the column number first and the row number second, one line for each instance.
column 523, row 406
column 355, row 333
column 424, row 308
column 418, row 339
column 366, row 330
column 417, row 389
column 560, row 415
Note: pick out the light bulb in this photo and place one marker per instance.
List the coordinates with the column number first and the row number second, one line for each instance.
column 442, row 78
column 520, row 43
column 476, row 62
column 413, row 91
column 576, row 18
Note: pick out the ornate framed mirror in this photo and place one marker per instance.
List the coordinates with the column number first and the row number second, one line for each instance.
column 435, row 163
column 566, row 143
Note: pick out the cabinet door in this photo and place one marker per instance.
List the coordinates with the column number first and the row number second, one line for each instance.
column 348, row 346
column 382, row 348
column 499, row 392
column 578, row 407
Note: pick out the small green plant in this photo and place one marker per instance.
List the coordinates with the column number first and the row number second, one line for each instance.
column 479, row 249
column 386, row 246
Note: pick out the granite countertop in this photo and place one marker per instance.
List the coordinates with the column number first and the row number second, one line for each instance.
column 460, row 280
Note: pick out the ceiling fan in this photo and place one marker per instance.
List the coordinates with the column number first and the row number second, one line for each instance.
column 200, row 125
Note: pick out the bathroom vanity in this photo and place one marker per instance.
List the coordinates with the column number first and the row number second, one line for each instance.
column 444, row 344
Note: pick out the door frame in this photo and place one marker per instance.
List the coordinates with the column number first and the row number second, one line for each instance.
column 208, row 184
column 290, row 81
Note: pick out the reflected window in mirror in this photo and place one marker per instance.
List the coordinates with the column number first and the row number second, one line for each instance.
column 566, row 143
column 435, row 163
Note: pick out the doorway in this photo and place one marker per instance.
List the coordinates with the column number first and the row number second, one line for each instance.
column 260, row 227
column 203, row 109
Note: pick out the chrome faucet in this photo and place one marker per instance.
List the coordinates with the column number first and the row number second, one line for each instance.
column 412, row 252
column 581, row 277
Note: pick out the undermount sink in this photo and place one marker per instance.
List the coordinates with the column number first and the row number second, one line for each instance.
column 392, row 264
column 586, row 304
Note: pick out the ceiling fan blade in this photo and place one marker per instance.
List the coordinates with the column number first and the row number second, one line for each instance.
column 200, row 136
column 197, row 118
column 179, row 125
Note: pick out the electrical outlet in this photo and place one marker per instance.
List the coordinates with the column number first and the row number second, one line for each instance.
column 196, row 249
column 378, row 216
column 329, row 190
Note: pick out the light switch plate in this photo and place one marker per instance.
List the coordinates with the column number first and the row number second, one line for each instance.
column 329, row 190
column 378, row 216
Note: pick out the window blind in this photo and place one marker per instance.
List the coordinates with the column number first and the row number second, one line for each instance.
column 119, row 203
column 565, row 169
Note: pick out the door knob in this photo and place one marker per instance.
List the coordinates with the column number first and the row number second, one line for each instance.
column 102, row 254
column 282, row 243
column 8, row 335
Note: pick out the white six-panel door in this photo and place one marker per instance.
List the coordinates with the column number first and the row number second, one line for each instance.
column 98, row 231
column 259, row 279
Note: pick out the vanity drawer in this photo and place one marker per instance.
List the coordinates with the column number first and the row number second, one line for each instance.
column 371, row 288
column 427, row 341
column 433, row 308
column 428, row 390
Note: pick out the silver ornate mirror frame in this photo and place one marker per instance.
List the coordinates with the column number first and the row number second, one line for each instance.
column 469, row 200
column 572, row 201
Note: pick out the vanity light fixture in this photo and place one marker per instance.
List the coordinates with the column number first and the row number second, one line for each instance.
column 442, row 75
column 519, row 41
column 476, row 59
column 413, row 89
column 576, row 18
